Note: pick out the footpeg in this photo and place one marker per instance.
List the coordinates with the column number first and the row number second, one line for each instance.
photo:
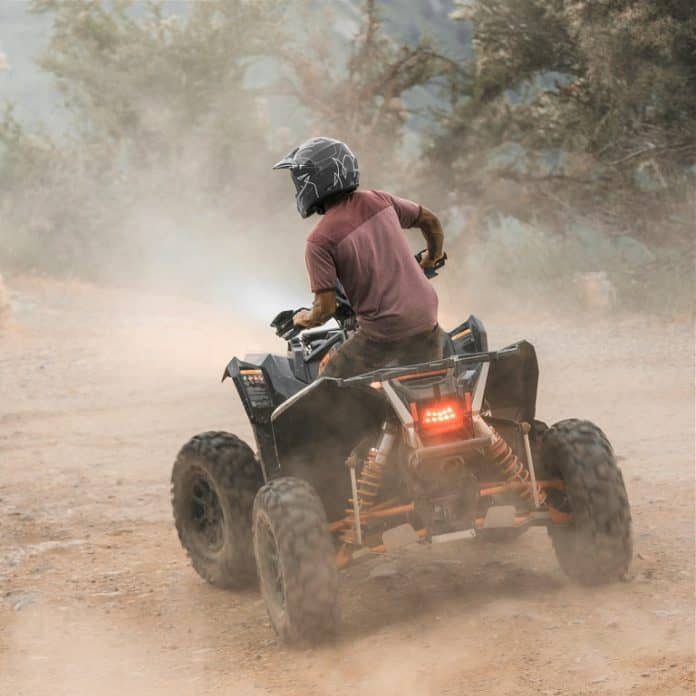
column 453, row 536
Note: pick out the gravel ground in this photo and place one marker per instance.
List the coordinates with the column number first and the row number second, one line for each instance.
column 99, row 389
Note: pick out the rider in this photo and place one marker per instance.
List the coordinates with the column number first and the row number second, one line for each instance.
column 359, row 242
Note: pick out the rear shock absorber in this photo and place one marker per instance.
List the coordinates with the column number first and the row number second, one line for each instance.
column 509, row 465
column 369, row 483
column 370, row 479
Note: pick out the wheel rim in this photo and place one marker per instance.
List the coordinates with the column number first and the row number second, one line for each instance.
column 270, row 567
column 206, row 514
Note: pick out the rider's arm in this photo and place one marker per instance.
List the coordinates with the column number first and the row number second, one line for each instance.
column 431, row 228
column 321, row 269
column 323, row 308
column 411, row 214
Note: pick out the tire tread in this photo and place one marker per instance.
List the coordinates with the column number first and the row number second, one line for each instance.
column 598, row 547
column 298, row 521
column 231, row 465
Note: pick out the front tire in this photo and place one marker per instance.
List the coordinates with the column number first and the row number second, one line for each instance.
column 596, row 547
column 214, row 481
column 295, row 561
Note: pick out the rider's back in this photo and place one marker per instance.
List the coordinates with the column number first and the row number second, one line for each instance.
column 360, row 242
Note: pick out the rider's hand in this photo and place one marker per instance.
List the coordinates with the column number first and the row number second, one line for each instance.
column 302, row 318
column 427, row 262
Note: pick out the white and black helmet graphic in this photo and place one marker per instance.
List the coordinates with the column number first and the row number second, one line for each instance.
column 320, row 168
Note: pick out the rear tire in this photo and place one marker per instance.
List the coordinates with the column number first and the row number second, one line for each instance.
column 596, row 547
column 214, row 481
column 295, row 561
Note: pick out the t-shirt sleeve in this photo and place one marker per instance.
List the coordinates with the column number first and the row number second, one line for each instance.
column 320, row 267
column 407, row 211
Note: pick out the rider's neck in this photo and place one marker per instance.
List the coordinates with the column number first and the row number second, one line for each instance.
column 335, row 199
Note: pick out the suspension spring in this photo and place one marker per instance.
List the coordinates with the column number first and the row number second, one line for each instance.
column 370, row 480
column 369, row 485
column 511, row 467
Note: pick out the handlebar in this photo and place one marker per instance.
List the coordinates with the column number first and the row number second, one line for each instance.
column 284, row 325
column 286, row 329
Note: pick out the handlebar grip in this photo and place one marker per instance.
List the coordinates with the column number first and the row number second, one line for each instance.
column 284, row 324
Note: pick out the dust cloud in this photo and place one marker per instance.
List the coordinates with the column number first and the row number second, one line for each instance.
column 105, row 378
column 5, row 312
column 105, row 384
column 121, row 331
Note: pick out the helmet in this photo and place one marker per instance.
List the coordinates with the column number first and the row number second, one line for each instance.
column 320, row 167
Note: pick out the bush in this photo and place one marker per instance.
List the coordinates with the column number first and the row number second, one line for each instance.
column 513, row 264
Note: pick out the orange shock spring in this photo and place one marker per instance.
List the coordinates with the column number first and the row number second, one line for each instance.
column 369, row 485
column 511, row 467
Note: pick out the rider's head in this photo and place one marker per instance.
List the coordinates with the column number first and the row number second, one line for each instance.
column 320, row 169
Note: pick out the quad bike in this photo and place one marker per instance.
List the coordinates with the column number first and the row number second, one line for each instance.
column 404, row 455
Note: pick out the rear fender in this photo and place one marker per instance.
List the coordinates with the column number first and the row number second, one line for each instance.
column 511, row 388
column 316, row 430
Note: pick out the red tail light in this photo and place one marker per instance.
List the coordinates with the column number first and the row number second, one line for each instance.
column 444, row 416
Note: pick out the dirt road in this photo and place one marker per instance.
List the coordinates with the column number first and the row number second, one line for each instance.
column 98, row 390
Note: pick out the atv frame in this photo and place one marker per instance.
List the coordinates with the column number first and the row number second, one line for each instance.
column 361, row 399
column 405, row 455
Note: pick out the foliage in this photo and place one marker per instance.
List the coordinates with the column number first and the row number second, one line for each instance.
column 166, row 118
column 629, row 61
column 364, row 97
column 516, row 263
column 50, row 212
column 610, row 80
column 162, row 91
column 161, row 119
column 566, row 105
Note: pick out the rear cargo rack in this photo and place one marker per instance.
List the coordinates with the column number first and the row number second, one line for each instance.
column 436, row 365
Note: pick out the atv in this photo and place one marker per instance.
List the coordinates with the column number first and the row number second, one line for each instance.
column 402, row 456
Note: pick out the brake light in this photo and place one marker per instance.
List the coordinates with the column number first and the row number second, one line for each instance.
column 444, row 416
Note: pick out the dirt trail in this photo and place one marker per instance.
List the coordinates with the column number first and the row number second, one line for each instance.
column 98, row 389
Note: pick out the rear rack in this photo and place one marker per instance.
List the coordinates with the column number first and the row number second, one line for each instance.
column 444, row 364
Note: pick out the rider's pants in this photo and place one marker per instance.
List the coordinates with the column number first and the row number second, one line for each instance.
column 361, row 354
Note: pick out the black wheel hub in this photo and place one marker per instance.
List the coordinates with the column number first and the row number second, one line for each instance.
column 206, row 514
column 271, row 570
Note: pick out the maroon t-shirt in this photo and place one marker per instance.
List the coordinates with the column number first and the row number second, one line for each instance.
column 360, row 242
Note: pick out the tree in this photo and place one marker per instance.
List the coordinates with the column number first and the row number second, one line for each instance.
column 160, row 90
column 162, row 121
column 625, row 70
column 592, row 100
column 363, row 96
